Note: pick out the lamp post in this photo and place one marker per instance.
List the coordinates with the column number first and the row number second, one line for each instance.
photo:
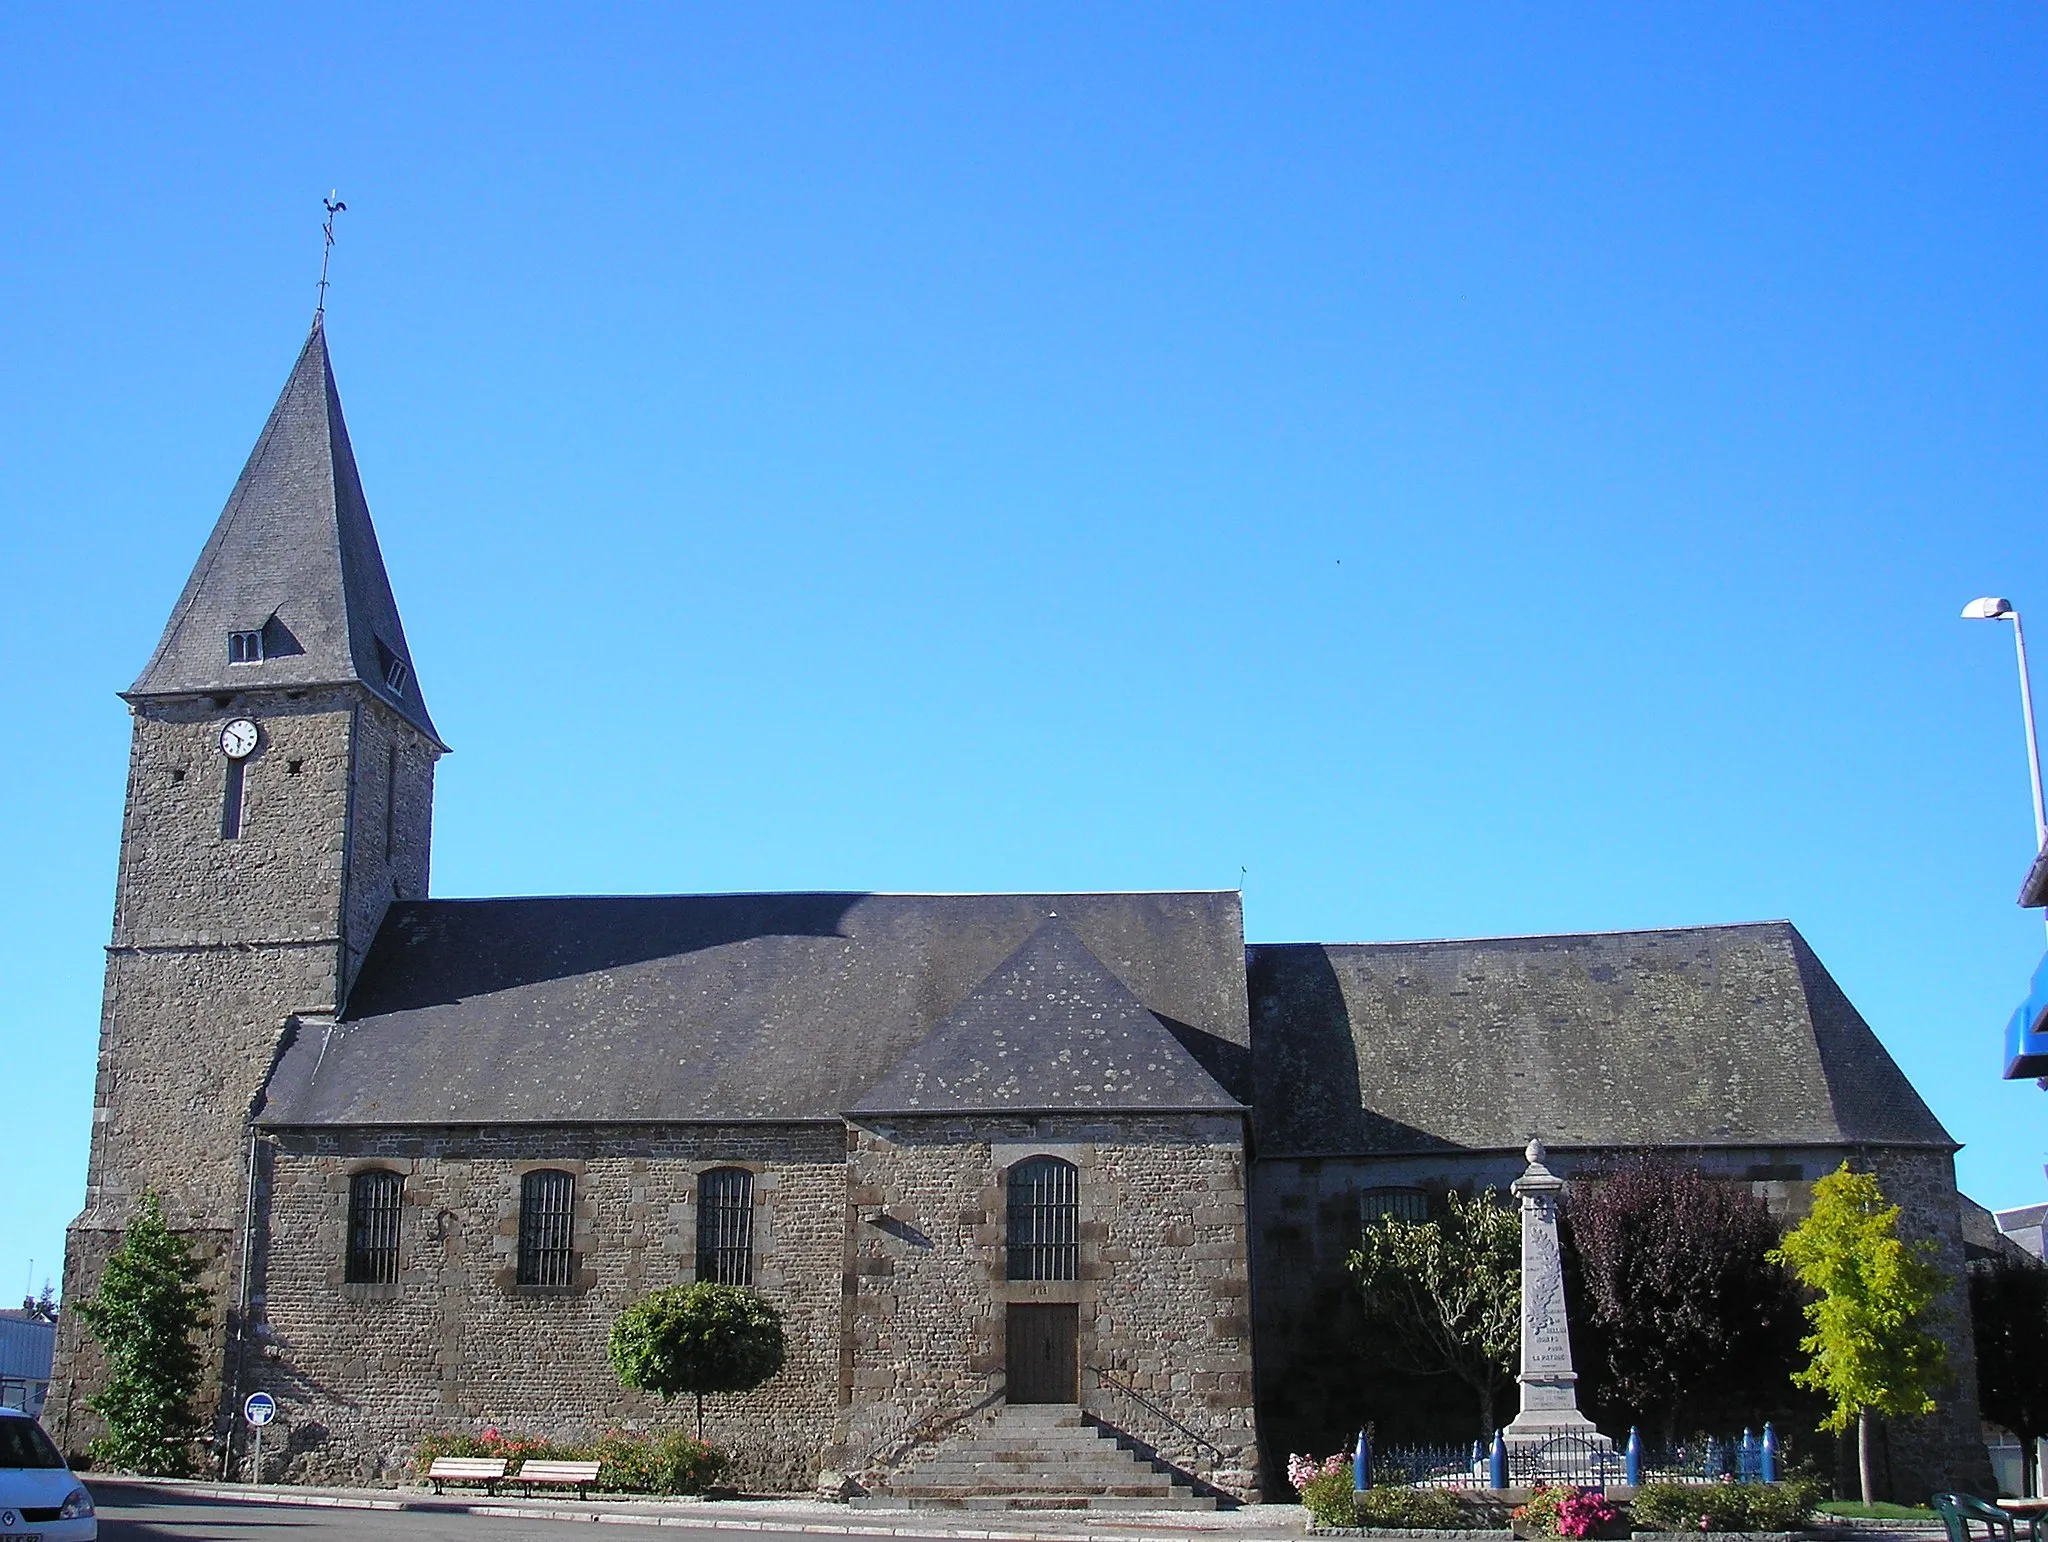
column 1991, row 608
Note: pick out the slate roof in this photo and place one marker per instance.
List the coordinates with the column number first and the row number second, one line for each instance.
column 1708, row 1036
column 1050, row 1029
column 743, row 1007
column 1984, row 1239
column 293, row 555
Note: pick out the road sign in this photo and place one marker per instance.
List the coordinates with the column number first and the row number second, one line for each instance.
column 260, row 1409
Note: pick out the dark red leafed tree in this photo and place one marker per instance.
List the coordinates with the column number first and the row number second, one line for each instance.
column 1687, row 1321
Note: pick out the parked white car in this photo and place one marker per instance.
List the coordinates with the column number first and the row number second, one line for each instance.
column 40, row 1500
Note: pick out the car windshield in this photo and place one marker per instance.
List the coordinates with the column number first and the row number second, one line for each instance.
column 23, row 1444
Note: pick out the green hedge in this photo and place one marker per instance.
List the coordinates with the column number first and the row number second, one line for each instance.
column 1332, row 1503
column 1723, row 1506
column 1400, row 1508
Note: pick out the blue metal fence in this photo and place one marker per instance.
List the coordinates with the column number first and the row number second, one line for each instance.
column 1575, row 1459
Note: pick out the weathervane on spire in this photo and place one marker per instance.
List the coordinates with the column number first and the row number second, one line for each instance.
column 333, row 206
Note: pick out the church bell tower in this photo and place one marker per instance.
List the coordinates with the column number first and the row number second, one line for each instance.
column 280, row 796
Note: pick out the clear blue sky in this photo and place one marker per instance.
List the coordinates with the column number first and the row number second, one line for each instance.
column 1485, row 470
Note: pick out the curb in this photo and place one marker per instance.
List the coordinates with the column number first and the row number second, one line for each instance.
column 620, row 1515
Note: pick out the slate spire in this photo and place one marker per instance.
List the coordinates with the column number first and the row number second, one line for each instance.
column 290, row 589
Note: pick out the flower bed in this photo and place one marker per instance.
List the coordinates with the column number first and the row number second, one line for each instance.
column 1562, row 1510
column 1333, row 1504
column 628, row 1462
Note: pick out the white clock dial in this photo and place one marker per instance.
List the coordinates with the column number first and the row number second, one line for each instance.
column 238, row 739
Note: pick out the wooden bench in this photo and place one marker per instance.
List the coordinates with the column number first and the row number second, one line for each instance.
column 581, row 1476
column 487, row 1470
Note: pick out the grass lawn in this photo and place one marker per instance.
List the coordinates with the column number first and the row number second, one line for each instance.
column 1851, row 1510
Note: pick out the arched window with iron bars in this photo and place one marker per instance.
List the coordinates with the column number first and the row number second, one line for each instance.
column 725, row 1226
column 547, row 1213
column 374, row 1198
column 1044, row 1219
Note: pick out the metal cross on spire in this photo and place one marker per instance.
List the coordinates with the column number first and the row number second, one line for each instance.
column 333, row 206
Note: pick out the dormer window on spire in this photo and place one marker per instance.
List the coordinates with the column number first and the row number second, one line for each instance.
column 396, row 670
column 245, row 647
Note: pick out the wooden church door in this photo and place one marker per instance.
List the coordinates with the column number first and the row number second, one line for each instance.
column 1043, row 1354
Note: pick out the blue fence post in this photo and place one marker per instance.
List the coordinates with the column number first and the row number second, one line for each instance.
column 1748, row 1460
column 1770, row 1454
column 1478, row 1457
column 1361, row 1463
column 1497, row 1463
column 1635, row 1457
column 1713, row 1463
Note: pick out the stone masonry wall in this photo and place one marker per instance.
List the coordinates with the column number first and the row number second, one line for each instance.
column 363, row 1372
column 216, row 943
column 1946, row 1449
column 1306, row 1219
column 391, row 825
column 1163, row 1287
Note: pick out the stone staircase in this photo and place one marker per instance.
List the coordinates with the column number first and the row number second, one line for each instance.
column 1032, row 1456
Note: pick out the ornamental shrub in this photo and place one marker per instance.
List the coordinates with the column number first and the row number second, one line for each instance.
column 1325, row 1487
column 672, row 1462
column 1415, row 1509
column 1562, row 1510
column 1586, row 1513
column 1539, row 1511
column 513, row 1448
column 1723, row 1506
column 148, row 1307
column 629, row 1462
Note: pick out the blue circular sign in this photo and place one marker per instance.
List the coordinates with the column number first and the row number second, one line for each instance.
column 260, row 1409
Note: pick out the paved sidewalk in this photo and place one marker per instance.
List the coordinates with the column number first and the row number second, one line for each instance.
column 1253, row 1523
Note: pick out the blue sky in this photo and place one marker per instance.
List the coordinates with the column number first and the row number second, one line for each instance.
column 1488, row 470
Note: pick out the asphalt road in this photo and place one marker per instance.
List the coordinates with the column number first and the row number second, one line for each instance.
column 143, row 1515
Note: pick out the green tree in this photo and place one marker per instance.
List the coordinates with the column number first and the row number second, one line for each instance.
column 1874, row 1296
column 1446, row 1293
column 2009, row 1316
column 697, row 1338
column 148, row 1309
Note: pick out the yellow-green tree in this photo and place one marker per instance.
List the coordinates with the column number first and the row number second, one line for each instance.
column 1874, row 1292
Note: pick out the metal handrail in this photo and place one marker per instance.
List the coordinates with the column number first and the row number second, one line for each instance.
column 1153, row 1408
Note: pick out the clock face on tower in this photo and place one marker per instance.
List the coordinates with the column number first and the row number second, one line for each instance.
column 238, row 739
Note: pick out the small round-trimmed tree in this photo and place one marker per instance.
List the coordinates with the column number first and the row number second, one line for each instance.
column 148, row 1308
column 697, row 1339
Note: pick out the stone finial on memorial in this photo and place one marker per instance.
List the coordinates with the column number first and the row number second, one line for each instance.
column 1549, row 1429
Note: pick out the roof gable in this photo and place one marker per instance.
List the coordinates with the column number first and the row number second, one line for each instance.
column 294, row 557
column 1699, row 1036
column 1051, row 1029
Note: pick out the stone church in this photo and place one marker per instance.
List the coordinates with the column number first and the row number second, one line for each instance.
column 983, row 1152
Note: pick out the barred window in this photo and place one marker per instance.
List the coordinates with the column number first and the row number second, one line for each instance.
column 373, row 1201
column 547, row 1204
column 1402, row 1204
column 1044, row 1220
column 725, row 1226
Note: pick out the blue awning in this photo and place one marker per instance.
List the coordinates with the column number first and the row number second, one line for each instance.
column 2026, row 1036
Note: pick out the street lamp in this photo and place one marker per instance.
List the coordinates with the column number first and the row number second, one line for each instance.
column 1992, row 609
